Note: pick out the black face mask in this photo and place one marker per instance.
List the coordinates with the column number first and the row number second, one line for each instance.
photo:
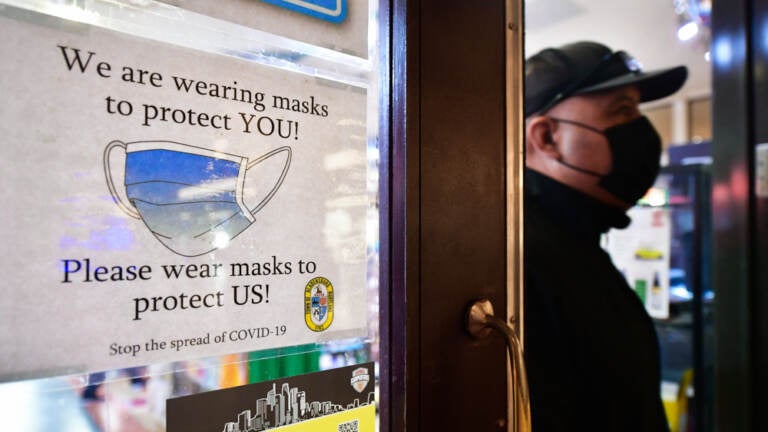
column 635, row 153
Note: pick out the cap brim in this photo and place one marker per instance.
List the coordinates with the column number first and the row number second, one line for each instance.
column 653, row 85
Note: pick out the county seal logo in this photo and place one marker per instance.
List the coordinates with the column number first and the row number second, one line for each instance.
column 318, row 304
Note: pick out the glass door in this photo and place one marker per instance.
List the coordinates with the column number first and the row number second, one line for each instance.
column 253, row 215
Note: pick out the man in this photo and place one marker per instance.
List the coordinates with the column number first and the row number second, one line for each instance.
column 591, row 348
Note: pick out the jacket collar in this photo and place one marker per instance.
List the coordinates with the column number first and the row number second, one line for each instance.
column 571, row 209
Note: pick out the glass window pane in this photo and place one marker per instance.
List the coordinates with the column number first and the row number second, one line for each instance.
column 134, row 398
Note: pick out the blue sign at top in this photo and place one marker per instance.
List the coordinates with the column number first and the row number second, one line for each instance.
column 334, row 11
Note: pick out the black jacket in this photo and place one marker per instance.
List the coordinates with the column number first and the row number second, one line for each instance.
column 591, row 349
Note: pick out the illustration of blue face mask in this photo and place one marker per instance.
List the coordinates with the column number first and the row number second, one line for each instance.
column 191, row 198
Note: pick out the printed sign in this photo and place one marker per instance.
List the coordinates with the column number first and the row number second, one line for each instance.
column 163, row 203
column 641, row 252
column 339, row 25
column 331, row 401
column 329, row 10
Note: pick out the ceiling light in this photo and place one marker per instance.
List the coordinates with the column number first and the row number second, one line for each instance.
column 688, row 31
column 693, row 18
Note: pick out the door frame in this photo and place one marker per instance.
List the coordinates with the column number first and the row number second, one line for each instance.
column 450, row 211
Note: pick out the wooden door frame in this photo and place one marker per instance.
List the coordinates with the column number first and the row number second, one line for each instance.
column 444, row 213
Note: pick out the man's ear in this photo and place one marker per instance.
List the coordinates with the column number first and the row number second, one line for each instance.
column 539, row 136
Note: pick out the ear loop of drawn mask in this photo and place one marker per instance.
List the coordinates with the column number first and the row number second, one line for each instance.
column 279, row 181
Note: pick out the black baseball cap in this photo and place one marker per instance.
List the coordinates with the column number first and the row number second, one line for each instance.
column 554, row 74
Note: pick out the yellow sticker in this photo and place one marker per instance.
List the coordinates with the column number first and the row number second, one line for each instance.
column 362, row 419
column 318, row 304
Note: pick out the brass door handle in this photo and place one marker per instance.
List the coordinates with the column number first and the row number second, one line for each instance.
column 480, row 324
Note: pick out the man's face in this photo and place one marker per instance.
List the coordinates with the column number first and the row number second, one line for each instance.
column 551, row 140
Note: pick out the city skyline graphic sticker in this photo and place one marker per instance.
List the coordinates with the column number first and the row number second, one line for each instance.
column 298, row 400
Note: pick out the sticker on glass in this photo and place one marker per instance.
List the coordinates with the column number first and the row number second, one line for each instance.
column 318, row 304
